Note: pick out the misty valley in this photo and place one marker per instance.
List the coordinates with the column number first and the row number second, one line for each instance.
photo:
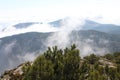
column 68, row 50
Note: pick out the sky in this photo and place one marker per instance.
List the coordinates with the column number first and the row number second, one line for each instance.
column 104, row 11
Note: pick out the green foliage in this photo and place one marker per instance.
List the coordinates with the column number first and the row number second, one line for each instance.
column 92, row 59
column 55, row 64
column 71, row 63
column 109, row 56
column 115, row 57
column 41, row 69
column 66, row 64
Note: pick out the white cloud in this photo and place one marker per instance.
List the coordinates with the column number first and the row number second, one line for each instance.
column 8, row 47
column 27, row 57
column 61, row 38
column 11, row 30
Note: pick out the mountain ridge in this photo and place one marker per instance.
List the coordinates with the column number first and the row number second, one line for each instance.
column 15, row 49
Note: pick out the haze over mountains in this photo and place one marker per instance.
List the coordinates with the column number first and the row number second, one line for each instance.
column 8, row 30
column 88, row 25
column 24, row 41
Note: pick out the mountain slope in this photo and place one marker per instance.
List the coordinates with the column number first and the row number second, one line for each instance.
column 90, row 41
column 19, row 48
column 23, row 47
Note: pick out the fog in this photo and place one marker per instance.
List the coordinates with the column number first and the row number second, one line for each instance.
column 11, row 30
column 10, row 60
column 62, row 37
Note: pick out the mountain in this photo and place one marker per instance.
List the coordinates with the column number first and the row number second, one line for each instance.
column 96, row 40
column 108, row 28
column 17, row 49
column 92, row 25
column 25, row 25
column 88, row 25
column 57, row 23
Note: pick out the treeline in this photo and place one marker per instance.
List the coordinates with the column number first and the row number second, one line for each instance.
column 58, row 64
column 55, row 64
column 66, row 64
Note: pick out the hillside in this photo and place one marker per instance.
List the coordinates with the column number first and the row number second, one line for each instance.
column 24, row 47
column 20, row 48
column 66, row 64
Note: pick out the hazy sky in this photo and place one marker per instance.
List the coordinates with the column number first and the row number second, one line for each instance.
column 45, row 10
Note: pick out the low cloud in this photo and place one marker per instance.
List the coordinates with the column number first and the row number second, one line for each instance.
column 5, row 56
column 62, row 38
column 27, row 56
column 11, row 30
column 87, row 46
column 8, row 47
column 9, row 59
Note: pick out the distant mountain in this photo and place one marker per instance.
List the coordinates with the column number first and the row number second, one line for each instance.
column 92, row 25
column 19, row 48
column 108, row 28
column 88, row 25
column 25, row 25
column 56, row 23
